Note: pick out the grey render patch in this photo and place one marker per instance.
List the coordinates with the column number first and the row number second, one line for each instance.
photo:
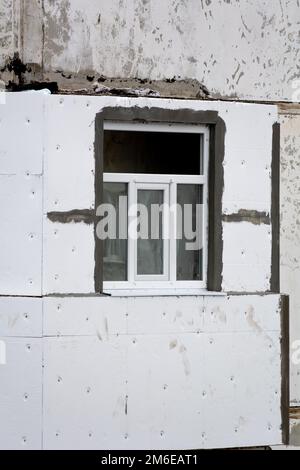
column 252, row 216
column 275, row 210
column 86, row 216
column 19, row 76
column 144, row 92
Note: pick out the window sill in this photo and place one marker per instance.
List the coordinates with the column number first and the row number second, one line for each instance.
column 162, row 292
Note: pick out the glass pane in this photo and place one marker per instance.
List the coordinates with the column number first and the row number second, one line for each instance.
column 150, row 250
column 153, row 152
column 189, row 232
column 115, row 249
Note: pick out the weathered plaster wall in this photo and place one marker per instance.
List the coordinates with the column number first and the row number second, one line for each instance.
column 242, row 49
column 290, row 235
column 7, row 28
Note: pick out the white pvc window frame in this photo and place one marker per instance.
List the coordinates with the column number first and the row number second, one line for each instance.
column 154, row 186
column 166, row 282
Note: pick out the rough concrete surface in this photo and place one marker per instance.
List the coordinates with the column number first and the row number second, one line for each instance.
column 235, row 49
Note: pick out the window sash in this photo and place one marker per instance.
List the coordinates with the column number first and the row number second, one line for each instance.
column 169, row 186
column 165, row 229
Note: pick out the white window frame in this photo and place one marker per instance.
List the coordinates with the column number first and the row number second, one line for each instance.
column 165, row 227
column 167, row 282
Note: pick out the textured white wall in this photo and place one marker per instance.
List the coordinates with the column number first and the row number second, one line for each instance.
column 245, row 49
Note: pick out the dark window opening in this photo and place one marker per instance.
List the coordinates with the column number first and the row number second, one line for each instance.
column 152, row 152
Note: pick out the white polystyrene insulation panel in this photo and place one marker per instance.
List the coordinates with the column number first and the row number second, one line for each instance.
column 246, row 256
column 167, row 386
column 22, row 133
column 21, row 316
column 21, row 234
column 21, row 394
column 85, row 316
column 68, row 263
column 156, row 364
column 21, row 332
column 247, row 179
column 99, row 386
column 76, row 316
column 69, row 153
column 248, row 155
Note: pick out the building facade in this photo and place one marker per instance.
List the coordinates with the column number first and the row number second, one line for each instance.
column 160, row 365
